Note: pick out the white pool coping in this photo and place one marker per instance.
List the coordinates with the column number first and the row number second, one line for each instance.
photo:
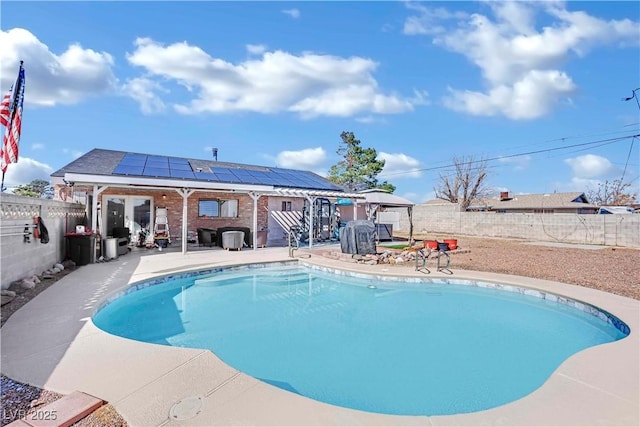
column 51, row 342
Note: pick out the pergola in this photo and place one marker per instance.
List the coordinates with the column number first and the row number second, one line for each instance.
column 376, row 199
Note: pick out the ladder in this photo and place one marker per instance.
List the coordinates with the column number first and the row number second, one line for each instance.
column 161, row 235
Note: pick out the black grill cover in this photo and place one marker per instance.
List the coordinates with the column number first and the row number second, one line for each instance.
column 358, row 237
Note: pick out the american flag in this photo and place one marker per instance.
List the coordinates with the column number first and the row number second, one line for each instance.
column 11, row 118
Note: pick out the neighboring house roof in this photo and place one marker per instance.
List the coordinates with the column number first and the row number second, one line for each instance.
column 438, row 202
column 121, row 164
column 538, row 201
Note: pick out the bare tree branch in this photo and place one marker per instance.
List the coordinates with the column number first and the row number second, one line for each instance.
column 466, row 185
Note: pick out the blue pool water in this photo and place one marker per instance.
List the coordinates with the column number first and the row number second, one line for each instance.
column 388, row 347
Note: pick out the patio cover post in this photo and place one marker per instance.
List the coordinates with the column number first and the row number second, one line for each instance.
column 312, row 201
column 255, row 197
column 410, row 213
column 94, row 212
column 185, row 193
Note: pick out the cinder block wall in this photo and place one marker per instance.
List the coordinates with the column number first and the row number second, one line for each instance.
column 19, row 258
column 610, row 230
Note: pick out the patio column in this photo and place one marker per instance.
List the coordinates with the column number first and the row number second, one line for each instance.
column 94, row 213
column 185, row 193
column 255, row 197
column 312, row 201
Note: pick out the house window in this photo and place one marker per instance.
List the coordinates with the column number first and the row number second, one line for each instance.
column 543, row 211
column 286, row 206
column 217, row 208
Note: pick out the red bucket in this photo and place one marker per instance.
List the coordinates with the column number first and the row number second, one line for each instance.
column 431, row 244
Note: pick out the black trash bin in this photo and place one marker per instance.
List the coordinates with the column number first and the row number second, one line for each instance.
column 80, row 247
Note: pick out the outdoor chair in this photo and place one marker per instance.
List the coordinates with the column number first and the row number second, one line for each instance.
column 207, row 237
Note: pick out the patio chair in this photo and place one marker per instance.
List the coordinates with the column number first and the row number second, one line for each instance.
column 207, row 237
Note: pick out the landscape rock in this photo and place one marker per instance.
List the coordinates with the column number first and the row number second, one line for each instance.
column 8, row 293
column 59, row 266
column 35, row 278
column 27, row 284
column 5, row 299
column 55, row 270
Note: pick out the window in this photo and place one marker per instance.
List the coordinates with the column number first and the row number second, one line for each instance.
column 217, row 208
column 543, row 211
column 286, row 206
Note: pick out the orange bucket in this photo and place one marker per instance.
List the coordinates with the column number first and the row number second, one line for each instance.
column 431, row 244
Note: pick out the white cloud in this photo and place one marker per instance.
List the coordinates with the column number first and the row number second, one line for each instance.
column 308, row 84
column 25, row 171
column 419, row 198
column 307, row 159
column 52, row 79
column 73, row 153
column 518, row 162
column 399, row 165
column 37, row 146
column 520, row 64
column 589, row 166
column 256, row 49
column 144, row 91
column 294, row 13
column 427, row 20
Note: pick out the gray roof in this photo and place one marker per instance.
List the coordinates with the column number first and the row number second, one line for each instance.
column 575, row 200
column 384, row 198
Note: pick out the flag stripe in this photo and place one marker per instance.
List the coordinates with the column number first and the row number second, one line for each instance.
column 11, row 117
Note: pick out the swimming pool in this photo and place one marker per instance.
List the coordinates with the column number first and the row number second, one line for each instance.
column 396, row 347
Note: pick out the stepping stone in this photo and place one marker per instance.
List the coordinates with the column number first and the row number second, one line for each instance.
column 61, row 413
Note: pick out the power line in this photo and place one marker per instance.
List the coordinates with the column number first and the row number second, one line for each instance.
column 546, row 150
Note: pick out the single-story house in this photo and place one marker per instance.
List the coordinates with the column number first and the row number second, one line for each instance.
column 125, row 190
column 573, row 202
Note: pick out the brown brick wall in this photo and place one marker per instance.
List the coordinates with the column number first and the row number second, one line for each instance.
column 173, row 203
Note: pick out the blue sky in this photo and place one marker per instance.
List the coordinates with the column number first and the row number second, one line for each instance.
column 275, row 83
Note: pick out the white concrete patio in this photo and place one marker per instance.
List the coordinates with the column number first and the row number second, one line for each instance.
column 51, row 342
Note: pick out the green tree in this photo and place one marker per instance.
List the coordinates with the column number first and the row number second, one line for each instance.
column 359, row 168
column 38, row 189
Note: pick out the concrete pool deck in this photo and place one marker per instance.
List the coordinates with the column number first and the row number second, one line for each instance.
column 52, row 343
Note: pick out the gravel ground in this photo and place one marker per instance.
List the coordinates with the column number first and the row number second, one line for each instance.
column 615, row 270
column 610, row 269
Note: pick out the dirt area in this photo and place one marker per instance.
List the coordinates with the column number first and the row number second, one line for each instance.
column 615, row 270
column 610, row 269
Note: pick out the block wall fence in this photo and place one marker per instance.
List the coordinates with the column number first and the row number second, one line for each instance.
column 20, row 257
column 593, row 229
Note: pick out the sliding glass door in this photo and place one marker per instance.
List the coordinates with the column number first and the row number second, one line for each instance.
column 132, row 212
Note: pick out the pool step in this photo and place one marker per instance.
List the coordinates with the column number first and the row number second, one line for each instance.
column 62, row 413
column 280, row 278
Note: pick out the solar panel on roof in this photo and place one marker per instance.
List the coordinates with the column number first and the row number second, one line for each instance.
column 132, row 162
column 128, row 170
column 227, row 177
column 177, row 160
column 177, row 173
column 159, row 158
column 156, row 172
column 182, row 167
column 205, row 176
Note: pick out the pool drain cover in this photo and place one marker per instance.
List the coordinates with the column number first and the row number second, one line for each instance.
column 186, row 408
